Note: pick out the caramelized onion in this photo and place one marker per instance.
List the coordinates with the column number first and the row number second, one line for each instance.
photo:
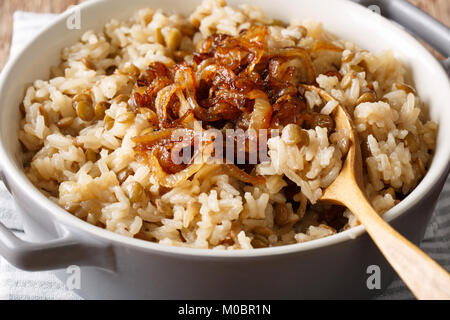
column 303, row 55
column 325, row 45
column 288, row 110
column 262, row 110
column 148, row 141
column 172, row 180
column 179, row 172
column 234, row 171
column 231, row 82
column 162, row 102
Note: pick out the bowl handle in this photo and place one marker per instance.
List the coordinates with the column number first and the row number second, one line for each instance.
column 417, row 22
column 54, row 254
column 68, row 250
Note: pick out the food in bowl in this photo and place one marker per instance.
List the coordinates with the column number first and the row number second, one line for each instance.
column 125, row 134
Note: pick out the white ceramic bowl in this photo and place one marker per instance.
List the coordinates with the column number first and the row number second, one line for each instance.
column 115, row 266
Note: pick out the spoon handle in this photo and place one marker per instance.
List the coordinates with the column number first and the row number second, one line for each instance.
column 423, row 276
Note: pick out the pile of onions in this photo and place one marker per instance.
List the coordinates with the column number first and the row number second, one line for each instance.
column 228, row 82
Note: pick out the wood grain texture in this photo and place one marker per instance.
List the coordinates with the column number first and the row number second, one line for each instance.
column 440, row 9
column 7, row 8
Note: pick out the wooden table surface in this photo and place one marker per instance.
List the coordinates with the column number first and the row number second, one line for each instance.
column 440, row 9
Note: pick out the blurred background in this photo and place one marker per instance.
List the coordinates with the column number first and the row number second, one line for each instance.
column 440, row 9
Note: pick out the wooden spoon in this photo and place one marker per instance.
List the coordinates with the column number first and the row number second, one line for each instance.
column 423, row 276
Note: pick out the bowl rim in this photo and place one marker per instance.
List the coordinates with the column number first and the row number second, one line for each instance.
column 58, row 214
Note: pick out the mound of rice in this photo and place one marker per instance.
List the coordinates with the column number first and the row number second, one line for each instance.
column 90, row 168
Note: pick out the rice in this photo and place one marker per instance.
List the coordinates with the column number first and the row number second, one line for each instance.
column 90, row 168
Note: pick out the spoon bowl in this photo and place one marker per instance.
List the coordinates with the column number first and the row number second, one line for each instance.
column 423, row 276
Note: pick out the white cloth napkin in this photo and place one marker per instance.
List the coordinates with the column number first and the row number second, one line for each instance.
column 16, row 284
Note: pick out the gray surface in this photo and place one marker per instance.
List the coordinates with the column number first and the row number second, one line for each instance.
column 436, row 243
